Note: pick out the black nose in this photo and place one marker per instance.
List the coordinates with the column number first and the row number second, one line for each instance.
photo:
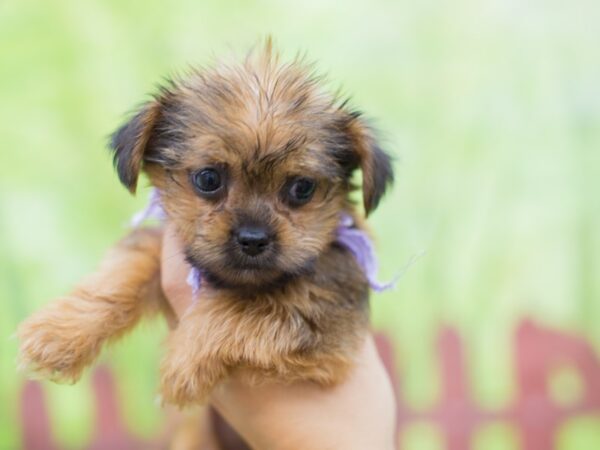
column 253, row 240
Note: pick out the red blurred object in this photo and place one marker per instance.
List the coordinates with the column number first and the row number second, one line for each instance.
column 538, row 353
column 34, row 417
column 110, row 431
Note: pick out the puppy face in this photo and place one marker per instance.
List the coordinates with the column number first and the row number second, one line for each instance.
column 253, row 163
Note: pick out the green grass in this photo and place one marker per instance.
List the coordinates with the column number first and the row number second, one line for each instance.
column 492, row 109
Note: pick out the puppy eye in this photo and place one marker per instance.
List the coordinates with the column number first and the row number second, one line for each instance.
column 300, row 191
column 207, row 181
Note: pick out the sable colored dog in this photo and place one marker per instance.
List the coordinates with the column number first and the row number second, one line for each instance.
column 253, row 163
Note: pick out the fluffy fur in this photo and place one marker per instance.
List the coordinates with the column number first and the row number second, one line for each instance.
column 297, row 311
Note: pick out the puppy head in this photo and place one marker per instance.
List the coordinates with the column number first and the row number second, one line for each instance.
column 253, row 162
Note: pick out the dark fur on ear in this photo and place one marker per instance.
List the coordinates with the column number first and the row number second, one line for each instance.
column 374, row 162
column 131, row 142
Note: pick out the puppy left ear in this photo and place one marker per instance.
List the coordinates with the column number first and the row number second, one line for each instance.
column 131, row 142
column 374, row 162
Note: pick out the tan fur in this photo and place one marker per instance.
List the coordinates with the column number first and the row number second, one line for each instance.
column 299, row 314
column 59, row 341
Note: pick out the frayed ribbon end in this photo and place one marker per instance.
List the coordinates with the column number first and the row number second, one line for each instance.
column 194, row 280
column 153, row 210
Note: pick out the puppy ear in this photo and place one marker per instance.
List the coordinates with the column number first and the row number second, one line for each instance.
column 374, row 162
column 131, row 142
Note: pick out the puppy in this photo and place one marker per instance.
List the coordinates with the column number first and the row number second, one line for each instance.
column 253, row 164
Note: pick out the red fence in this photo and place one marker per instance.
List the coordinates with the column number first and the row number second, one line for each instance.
column 539, row 353
column 535, row 413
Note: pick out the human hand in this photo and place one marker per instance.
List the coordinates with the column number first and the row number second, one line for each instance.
column 357, row 414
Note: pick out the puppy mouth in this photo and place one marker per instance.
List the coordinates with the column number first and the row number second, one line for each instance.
column 260, row 263
column 251, row 283
column 253, row 275
column 234, row 268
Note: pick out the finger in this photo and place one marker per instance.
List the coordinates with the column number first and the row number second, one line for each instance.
column 174, row 272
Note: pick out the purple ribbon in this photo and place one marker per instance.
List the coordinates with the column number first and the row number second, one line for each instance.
column 354, row 239
column 154, row 210
column 361, row 246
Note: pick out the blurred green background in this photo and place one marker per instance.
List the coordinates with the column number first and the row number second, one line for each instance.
column 491, row 107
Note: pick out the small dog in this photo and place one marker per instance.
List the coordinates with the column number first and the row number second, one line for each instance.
column 253, row 163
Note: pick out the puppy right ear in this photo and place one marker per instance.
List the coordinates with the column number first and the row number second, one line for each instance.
column 131, row 142
column 374, row 162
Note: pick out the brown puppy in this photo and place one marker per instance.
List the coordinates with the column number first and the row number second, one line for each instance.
column 253, row 164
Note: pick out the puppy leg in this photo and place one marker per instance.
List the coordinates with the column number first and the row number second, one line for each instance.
column 59, row 341
column 193, row 363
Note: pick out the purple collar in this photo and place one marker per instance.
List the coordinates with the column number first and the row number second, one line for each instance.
column 354, row 239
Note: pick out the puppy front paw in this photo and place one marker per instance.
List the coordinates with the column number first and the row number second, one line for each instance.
column 55, row 346
column 184, row 382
